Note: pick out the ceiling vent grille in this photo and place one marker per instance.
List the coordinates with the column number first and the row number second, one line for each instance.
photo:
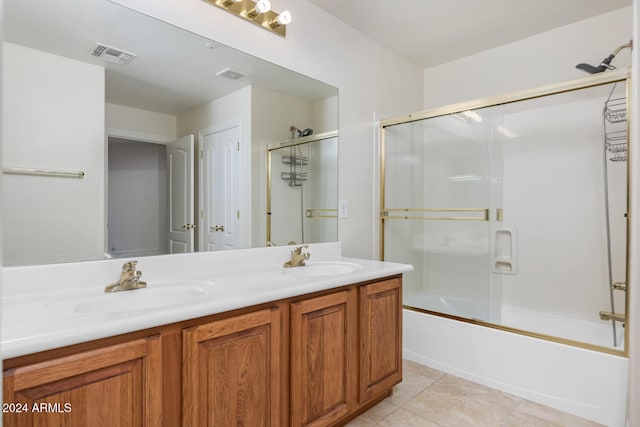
column 112, row 54
column 230, row 74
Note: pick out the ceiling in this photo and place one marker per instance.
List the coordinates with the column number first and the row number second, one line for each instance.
column 432, row 32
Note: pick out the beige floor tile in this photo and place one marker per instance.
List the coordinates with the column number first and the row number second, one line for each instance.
column 455, row 402
column 416, row 368
column 405, row 419
column 427, row 397
column 411, row 385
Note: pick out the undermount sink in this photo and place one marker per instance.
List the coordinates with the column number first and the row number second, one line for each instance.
column 323, row 269
column 153, row 297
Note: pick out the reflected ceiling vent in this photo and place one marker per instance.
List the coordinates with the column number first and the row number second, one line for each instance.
column 230, row 74
column 112, row 54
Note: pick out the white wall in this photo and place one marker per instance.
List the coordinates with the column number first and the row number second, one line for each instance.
column 325, row 115
column 369, row 78
column 140, row 122
column 546, row 58
column 66, row 98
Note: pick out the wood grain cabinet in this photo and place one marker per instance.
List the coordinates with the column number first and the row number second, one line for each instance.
column 314, row 360
column 323, row 362
column 118, row 385
column 380, row 337
column 232, row 371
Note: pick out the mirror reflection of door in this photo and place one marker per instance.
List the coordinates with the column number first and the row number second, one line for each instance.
column 219, row 187
column 138, row 201
column 180, row 171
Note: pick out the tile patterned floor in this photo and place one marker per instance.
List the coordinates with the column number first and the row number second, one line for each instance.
column 429, row 398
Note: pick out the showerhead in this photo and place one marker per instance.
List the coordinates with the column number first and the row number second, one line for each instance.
column 606, row 62
column 604, row 66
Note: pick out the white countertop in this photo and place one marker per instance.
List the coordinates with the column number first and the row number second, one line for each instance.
column 46, row 307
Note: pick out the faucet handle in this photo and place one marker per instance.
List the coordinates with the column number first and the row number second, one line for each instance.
column 129, row 265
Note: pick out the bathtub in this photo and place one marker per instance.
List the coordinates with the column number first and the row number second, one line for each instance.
column 587, row 383
column 598, row 333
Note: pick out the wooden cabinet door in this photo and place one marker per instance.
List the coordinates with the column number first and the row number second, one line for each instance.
column 380, row 337
column 232, row 371
column 119, row 385
column 323, row 376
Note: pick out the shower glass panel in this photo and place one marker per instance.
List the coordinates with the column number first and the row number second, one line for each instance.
column 302, row 197
column 513, row 210
column 559, row 183
column 439, row 193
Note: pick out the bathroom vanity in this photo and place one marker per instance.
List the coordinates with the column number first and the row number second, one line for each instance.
column 312, row 345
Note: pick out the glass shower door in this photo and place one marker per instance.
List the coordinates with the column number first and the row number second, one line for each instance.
column 440, row 197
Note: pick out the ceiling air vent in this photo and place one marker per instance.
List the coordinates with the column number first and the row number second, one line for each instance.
column 112, row 54
column 230, row 74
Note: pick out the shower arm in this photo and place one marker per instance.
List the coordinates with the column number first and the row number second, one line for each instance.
column 629, row 45
column 607, row 61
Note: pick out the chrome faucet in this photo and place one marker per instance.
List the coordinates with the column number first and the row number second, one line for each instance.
column 129, row 279
column 298, row 257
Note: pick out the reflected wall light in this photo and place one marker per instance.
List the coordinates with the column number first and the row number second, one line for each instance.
column 258, row 12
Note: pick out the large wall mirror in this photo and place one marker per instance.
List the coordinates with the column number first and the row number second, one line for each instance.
column 124, row 136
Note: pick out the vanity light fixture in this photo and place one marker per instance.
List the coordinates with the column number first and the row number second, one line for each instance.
column 229, row 3
column 257, row 12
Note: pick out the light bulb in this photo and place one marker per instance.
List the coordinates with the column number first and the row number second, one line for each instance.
column 262, row 6
column 283, row 18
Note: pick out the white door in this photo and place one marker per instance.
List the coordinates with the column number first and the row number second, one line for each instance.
column 180, row 175
column 219, row 188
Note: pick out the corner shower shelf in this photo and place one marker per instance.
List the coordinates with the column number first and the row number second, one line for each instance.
column 615, row 110
column 616, row 135
column 295, row 160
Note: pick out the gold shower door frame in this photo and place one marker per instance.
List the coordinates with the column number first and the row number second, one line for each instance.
column 386, row 213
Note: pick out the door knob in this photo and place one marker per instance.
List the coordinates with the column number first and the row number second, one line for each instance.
column 188, row 226
column 217, row 228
